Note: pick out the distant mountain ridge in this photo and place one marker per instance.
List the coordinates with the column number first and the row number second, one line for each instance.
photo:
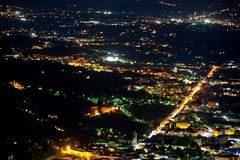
column 120, row 3
column 149, row 6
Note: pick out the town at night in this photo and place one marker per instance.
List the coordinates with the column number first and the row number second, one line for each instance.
column 120, row 80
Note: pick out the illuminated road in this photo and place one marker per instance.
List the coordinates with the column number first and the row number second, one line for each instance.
column 81, row 154
column 182, row 106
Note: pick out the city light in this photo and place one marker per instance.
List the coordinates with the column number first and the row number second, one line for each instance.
column 79, row 153
column 112, row 59
column 120, row 80
column 68, row 148
column 207, row 21
column 17, row 85
column 183, row 104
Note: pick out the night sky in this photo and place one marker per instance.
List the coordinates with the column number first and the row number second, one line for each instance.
column 147, row 5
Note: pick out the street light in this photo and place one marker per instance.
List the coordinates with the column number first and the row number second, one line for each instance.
column 68, row 147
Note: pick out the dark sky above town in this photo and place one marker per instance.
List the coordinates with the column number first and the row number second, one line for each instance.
column 153, row 7
column 121, row 4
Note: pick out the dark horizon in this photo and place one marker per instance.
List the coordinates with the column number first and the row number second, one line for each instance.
column 133, row 5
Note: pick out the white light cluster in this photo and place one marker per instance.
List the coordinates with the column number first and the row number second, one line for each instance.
column 112, row 59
